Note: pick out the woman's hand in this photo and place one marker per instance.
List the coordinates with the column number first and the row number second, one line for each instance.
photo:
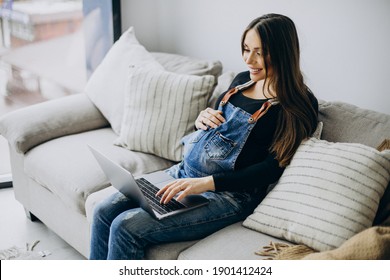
column 209, row 118
column 186, row 186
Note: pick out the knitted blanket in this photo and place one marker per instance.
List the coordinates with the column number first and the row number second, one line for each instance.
column 370, row 244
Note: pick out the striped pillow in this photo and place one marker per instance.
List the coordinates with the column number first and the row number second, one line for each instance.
column 160, row 109
column 328, row 193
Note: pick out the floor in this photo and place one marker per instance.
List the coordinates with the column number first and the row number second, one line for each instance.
column 17, row 230
column 18, row 89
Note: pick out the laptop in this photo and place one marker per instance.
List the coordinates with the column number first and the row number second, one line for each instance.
column 144, row 188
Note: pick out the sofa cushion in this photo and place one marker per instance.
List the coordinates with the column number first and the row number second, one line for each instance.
column 167, row 251
column 160, row 109
column 329, row 193
column 66, row 167
column 106, row 86
column 344, row 122
column 234, row 242
column 188, row 65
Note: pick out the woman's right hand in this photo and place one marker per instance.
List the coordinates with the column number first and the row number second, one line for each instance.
column 209, row 118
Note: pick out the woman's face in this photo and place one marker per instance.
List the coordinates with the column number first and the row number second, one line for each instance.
column 253, row 57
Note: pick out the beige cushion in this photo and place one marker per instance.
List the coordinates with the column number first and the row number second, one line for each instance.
column 160, row 109
column 328, row 193
column 106, row 86
column 344, row 122
column 188, row 65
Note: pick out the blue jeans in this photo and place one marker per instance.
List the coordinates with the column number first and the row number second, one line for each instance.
column 121, row 230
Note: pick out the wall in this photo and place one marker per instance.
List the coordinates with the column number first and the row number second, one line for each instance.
column 344, row 44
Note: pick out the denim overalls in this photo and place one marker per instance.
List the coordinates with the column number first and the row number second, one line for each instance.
column 213, row 151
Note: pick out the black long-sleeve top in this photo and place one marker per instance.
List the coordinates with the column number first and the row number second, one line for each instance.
column 255, row 168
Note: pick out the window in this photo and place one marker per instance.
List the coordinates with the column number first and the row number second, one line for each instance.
column 49, row 48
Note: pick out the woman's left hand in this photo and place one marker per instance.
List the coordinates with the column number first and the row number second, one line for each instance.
column 186, row 186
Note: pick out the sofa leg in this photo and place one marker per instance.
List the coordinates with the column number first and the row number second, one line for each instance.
column 30, row 215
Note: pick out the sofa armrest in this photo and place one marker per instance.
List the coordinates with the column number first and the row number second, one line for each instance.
column 28, row 127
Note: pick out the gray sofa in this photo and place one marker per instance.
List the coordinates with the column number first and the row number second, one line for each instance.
column 58, row 181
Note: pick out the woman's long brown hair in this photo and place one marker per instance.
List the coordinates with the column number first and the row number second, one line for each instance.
column 280, row 48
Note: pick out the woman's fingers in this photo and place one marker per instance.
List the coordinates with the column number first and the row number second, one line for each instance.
column 200, row 124
column 170, row 190
column 162, row 190
column 186, row 186
column 209, row 118
column 183, row 194
column 213, row 117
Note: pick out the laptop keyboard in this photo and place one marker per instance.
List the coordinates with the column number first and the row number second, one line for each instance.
column 149, row 190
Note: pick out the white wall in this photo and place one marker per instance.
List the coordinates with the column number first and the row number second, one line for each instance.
column 345, row 44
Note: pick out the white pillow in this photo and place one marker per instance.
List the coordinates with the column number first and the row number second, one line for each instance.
column 106, row 86
column 160, row 109
column 329, row 192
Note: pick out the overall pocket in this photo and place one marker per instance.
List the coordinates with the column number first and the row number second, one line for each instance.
column 219, row 146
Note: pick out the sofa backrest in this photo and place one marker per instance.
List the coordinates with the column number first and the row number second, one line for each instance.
column 344, row 122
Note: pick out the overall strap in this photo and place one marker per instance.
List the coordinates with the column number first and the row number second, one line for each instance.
column 234, row 90
column 259, row 113
column 264, row 109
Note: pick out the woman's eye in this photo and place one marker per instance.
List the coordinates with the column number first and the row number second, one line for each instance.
column 248, row 50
